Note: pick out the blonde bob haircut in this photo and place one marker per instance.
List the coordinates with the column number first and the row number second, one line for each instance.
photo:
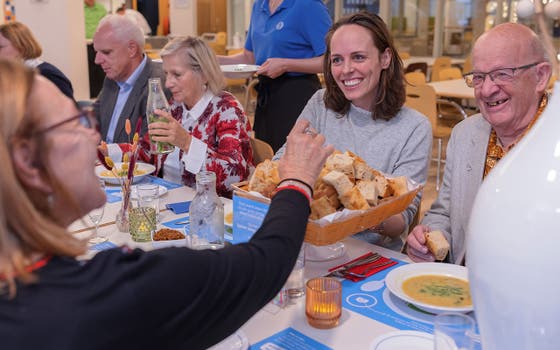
column 198, row 55
column 22, row 39
column 27, row 226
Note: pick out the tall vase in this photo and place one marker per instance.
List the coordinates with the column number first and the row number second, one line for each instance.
column 122, row 218
column 513, row 242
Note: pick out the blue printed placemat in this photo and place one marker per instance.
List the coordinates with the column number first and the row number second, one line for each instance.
column 103, row 246
column 114, row 193
column 372, row 299
column 289, row 339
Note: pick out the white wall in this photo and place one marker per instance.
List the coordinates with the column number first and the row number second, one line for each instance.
column 59, row 26
column 182, row 17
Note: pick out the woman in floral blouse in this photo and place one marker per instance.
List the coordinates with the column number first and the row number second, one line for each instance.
column 207, row 125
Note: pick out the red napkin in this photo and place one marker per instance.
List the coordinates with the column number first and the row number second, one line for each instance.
column 361, row 268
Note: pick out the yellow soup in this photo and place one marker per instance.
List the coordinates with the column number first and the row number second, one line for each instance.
column 438, row 290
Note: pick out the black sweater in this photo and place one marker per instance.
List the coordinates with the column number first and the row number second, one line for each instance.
column 173, row 298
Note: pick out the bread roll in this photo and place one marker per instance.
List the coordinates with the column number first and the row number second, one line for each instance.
column 382, row 187
column 341, row 162
column 321, row 207
column 353, row 200
column 265, row 178
column 437, row 244
column 368, row 191
column 399, row 185
column 339, row 181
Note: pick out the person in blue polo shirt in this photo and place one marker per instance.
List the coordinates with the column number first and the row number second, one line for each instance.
column 287, row 39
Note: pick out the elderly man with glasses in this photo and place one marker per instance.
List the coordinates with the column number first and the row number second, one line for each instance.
column 510, row 76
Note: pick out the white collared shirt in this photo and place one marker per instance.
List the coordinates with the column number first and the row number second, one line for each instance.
column 194, row 159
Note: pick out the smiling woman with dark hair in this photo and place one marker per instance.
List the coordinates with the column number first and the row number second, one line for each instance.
column 361, row 110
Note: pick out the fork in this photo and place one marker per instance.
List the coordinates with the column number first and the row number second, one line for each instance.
column 364, row 273
column 339, row 272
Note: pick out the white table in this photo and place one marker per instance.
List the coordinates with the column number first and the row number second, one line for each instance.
column 354, row 331
column 429, row 60
column 456, row 88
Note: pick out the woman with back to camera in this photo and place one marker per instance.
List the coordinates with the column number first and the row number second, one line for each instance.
column 18, row 42
column 361, row 110
column 172, row 298
column 207, row 125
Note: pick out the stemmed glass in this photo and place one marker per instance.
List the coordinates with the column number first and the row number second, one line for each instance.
column 95, row 216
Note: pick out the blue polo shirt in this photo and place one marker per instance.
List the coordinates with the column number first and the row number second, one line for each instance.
column 297, row 29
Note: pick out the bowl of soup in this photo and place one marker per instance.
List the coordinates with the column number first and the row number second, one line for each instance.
column 433, row 287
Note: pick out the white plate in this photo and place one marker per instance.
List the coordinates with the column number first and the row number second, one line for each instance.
column 239, row 71
column 236, row 341
column 396, row 277
column 404, row 340
column 162, row 190
column 147, row 168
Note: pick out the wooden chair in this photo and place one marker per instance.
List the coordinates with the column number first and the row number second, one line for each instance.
column 261, row 150
column 450, row 73
column 251, row 95
column 467, row 65
column 439, row 63
column 404, row 55
column 418, row 66
column 423, row 99
column 446, row 111
column 415, row 78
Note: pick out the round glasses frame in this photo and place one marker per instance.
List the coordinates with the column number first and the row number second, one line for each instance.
column 86, row 118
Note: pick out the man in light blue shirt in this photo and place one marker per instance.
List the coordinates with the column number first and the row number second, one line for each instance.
column 119, row 46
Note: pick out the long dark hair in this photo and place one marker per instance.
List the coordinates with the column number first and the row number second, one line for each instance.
column 391, row 89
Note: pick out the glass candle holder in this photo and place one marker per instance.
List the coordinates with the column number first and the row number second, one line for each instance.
column 323, row 302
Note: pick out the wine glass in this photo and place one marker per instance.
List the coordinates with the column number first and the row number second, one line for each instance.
column 95, row 216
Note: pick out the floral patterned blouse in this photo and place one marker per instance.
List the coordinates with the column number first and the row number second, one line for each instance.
column 225, row 128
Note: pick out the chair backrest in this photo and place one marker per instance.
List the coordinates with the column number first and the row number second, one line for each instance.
column 467, row 65
column 415, row 78
column 423, row 99
column 439, row 63
column 261, row 150
column 418, row 66
column 404, row 55
column 450, row 73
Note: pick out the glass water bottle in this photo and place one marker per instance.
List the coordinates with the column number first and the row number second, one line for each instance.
column 157, row 100
column 206, row 214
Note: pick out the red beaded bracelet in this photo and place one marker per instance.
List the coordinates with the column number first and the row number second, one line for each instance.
column 294, row 187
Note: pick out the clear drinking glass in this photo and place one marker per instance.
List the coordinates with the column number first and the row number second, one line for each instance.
column 95, row 216
column 453, row 331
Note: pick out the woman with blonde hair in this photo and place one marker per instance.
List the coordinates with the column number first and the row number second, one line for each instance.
column 173, row 298
column 206, row 124
column 18, row 42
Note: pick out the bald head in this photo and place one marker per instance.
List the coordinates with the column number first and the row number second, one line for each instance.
column 514, row 40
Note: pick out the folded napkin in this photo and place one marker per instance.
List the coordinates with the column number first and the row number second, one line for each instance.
column 179, row 207
column 180, row 223
column 366, row 269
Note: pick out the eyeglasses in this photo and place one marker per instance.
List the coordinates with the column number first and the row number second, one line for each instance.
column 85, row 118
column 500, row 76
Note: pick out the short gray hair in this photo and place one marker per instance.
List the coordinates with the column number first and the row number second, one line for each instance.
column 198, row 55
column 124, row 29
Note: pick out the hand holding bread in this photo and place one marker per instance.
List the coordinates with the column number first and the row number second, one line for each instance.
column 426, row 245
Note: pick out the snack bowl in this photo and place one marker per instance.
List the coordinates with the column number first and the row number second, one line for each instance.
column 156, row 244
